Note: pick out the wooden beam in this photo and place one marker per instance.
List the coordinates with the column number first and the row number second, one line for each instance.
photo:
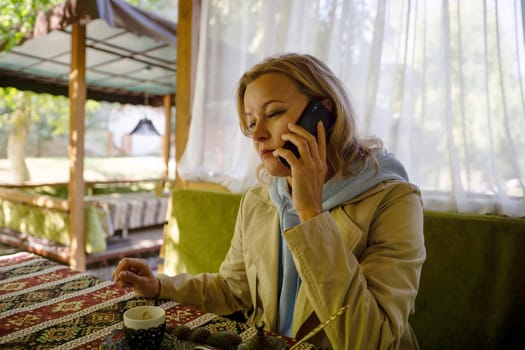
column 187, row 35
column 76, row 186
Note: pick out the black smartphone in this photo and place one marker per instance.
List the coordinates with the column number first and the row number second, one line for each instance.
column 313, row 112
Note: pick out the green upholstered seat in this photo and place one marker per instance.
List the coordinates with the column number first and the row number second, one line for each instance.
column 52, row 225
column 200, row 228
column 472, row 291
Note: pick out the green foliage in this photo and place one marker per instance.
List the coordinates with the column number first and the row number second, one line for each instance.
column 57, row 191
column 8, row 98
column 49, row 115
column 17, row 18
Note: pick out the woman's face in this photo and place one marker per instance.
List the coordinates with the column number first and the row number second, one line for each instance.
column 271, row 102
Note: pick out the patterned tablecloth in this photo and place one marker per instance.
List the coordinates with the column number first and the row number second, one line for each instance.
column 125, row 211
column 45, row 305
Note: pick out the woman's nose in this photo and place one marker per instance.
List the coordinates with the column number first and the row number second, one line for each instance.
column 260, row 132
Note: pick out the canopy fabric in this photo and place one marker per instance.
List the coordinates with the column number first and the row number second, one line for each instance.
column 130, row 53
column 120, row 14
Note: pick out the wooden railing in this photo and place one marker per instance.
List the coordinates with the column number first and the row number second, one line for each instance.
column 43, row 201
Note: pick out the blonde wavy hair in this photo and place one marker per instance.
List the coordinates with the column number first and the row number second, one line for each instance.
column 346, row 151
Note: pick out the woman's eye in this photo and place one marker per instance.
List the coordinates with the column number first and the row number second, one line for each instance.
column 251, row 125
column 275, row 113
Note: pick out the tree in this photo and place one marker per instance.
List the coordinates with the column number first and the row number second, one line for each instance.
column 16, row 146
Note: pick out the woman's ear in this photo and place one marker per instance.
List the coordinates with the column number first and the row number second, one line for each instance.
column 328, row 104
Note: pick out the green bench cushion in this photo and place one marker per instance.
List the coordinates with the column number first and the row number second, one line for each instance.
column 200, row 228
column 472, row 291
column 52, row 224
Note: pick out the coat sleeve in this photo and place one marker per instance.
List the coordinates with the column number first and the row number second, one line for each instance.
column 220, row 293
column 379, row 285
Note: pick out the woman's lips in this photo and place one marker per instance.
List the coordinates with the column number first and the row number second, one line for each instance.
column 266, row 153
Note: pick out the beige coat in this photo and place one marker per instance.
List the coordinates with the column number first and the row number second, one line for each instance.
column 367, row 254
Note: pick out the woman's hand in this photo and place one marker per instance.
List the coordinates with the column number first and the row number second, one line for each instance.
column 308, row 173
column 136, row 274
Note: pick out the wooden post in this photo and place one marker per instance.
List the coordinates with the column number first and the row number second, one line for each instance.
column 187, row 39
column 167, row 138
column 187, row 29
column 76, row 186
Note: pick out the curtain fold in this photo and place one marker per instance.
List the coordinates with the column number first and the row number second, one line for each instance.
column 441, row 82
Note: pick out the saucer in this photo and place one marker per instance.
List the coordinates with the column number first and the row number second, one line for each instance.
column 117, row 341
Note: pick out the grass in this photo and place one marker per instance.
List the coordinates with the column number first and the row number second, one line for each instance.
column 45, row 170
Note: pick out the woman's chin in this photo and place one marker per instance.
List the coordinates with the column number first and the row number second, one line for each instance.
column 274, row 167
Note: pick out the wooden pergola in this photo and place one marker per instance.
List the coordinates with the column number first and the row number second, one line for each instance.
column 78, row 88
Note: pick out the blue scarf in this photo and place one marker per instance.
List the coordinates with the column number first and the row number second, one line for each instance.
column 335, row 192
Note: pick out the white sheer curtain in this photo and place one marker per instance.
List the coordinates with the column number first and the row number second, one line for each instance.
column 440, row 81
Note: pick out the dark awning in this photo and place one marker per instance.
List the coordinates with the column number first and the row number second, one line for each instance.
column 130, row 53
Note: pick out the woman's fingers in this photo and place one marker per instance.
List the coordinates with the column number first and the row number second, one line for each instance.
column 125, row 279
column 301, row 137
column 129, row 266
column 133, row 264
column 299, row 140
column 308, row 173
column 136, row 273
column 130, row 279
column 312, row 150
column 321, row 140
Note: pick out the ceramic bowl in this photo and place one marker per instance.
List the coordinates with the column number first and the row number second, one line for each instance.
column 144, row 327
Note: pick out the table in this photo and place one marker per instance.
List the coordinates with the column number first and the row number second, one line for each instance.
column 47, row 305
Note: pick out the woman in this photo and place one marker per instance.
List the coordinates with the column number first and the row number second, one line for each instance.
column 340, row 229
